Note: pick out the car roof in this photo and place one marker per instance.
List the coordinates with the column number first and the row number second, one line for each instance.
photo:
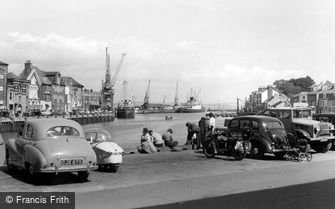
column 258, row 117
column 325, row 114
column 41, row 125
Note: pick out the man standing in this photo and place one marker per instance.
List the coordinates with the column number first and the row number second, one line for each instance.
column 211, row 122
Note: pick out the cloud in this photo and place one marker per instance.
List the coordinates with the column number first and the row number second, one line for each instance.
column 196, row 65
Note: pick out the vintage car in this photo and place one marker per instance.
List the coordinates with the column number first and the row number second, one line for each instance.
column 266, row 134
column 326, row 117
column 298, row 121
column 109, row 154
column 51, row 146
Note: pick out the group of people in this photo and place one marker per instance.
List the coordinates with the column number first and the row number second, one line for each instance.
column 151, row 140
column 196, row 133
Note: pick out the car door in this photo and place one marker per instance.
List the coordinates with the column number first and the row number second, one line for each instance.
column 24, row 140
column 233, row 127
column 19, row 144
column 244, row 128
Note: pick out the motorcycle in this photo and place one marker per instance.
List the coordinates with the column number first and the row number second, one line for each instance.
column 221, row 142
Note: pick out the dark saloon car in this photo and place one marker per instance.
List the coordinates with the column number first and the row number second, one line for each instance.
column 267, row 134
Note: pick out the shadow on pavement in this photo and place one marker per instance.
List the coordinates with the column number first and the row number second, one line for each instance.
column 42, row 179
column 314, row 195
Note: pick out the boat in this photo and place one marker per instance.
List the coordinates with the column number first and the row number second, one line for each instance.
column 191, row 106
column 125, row 109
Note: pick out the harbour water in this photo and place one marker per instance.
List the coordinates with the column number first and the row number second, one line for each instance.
column 127, row 132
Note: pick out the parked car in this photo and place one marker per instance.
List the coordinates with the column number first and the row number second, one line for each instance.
column 326, row 117
column 36, row 113
column 51, row 145
column 4, row 113
column 266, row 134
column 298, row 121
column 109, row 154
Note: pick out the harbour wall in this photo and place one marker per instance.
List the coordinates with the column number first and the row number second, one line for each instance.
column 15, row 124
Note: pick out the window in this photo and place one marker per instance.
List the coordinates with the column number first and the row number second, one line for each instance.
column 244, row 124
column 234, row 123
column 285, row 114
column 273, row 125
column 30, row 132
column 255, row 125
column 62, row 131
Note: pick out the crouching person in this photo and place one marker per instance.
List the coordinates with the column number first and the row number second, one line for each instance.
column 146, row 145
column 156, row 139
column 168, row 140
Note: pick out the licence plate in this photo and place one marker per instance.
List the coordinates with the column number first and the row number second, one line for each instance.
column 71, row 162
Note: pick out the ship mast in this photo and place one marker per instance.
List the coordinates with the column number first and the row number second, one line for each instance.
column 176, row 97
column 146, row 98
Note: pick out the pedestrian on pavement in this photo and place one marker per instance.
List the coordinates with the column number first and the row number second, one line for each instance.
column 192, row 129
column 146, row 145
column 204, row 127
column 169, row 141
column 156, row 139
column 211, row 122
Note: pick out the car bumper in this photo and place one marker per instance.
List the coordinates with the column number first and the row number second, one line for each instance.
column 284, row 149
column 62, row 169
column 323, row 138
column 113, row 159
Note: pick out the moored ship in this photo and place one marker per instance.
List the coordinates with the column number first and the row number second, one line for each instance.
column 191, row 106
column 125, row 109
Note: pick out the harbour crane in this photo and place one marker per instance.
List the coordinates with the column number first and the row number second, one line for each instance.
column 108, row 86
column 117, row 70
column 164, row 99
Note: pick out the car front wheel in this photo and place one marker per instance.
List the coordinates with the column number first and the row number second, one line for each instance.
column 257, row 150
column 83, row 175
column 322, row 147
column 10, row 167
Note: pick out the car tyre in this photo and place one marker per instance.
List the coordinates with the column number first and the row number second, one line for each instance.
column 83, row 175
column 208, row 149
column 322, row 147
column 10, row 167
column 114, row 168
column 280, row 155
column 257, row 150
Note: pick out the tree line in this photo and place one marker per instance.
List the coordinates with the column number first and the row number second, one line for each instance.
column 294, row 85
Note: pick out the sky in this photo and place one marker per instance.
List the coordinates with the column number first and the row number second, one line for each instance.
column 222, row 49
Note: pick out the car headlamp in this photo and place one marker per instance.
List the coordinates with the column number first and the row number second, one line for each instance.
column 316, row 130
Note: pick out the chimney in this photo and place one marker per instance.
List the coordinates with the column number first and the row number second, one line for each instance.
column 28, row 65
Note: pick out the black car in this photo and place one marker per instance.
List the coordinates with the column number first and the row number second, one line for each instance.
column 267, row 134
column 36, row 113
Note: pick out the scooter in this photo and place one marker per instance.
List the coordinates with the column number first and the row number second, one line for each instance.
column 222, row 143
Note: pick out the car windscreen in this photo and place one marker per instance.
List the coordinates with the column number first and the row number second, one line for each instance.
column 302, row 113
column 96, row 137
column 62, row 131
column 273, row 125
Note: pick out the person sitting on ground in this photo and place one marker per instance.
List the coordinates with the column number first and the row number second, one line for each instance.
column 146, row 145
column 168, row 140
column 156, row 139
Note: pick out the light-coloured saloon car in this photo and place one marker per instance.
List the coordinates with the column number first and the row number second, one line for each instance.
column 109, row 154
column 51, row 145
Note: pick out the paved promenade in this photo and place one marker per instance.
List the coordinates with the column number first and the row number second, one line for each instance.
column 167, row 177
